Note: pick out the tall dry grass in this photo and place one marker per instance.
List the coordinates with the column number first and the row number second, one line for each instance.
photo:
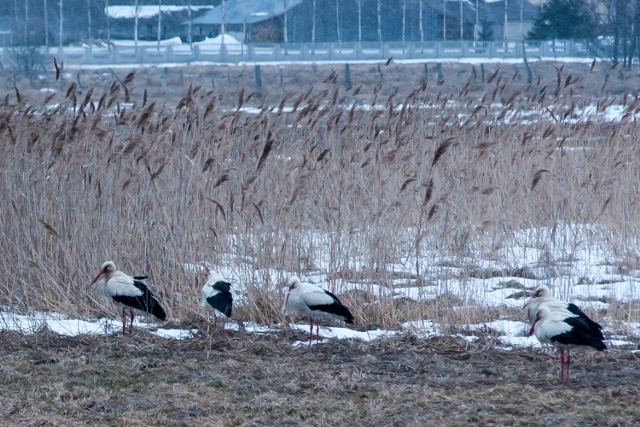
column 325, row 180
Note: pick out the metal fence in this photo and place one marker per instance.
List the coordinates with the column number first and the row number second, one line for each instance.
column 298, row 52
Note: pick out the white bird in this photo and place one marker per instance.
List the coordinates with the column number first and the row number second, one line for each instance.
column 216, row 292
column 565, row 331
column 129, row 293
column 542, row 296
column 310, row 300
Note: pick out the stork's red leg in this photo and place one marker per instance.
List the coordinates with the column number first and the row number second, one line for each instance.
column 131, row 324
column 124, row 322
column 568, row 363
column 215, row 320
column 562, row 363
column 317, row 332
column 310, row 331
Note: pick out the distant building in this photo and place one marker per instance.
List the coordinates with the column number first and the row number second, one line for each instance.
column 448, row 16
column 247, row 20
column 519, row 18
column 293, row 21
column 121, row 20
column 341, row 21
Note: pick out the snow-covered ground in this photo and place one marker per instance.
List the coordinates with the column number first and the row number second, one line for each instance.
column 578, row 268
column 511, row 334
column 162, row 65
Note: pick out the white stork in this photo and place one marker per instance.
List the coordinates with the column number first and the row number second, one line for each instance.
column 542, row 296
column 310, row 300
column 216, row 292
column 129, row 293
column 565, row 331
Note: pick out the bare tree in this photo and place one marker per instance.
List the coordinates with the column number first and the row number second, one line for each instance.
column 420, row 12
column 359, row 20
column 285, row 35
column 136, row 12
column 313, row 21
column 627, row 25
column 46, row 24
column 444, row 19
column 15, row 10
column 636, row 31
column 89, row 18
column 404, row 19
column 244, row 31
column 461, row 21
column 222, row 27
column 159, row 22
column 106, row 8
column 61, row 19
column 476, row 27
column 190, row 24
column 616, row 30
column 338, row 32
column 521, row 16
column 379, row 14
column 26, row 21
column 506, row 19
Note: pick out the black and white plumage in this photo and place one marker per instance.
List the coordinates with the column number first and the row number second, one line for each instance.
column 565, row 331
column 310, row 300
column 542, row 296
column 216, row 292
column 129, row 293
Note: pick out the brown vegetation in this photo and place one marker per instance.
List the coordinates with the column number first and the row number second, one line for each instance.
column 344, row 182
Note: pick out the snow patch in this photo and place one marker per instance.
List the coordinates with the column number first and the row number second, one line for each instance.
column 177, row 334
column 345, row 333
column 66, row 326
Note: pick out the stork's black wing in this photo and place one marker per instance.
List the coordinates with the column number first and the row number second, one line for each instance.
column 145, row 302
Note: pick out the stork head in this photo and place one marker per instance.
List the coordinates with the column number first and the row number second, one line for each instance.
column 541, row 292
column 107, row 268
column 293, row 283
column 212, row 275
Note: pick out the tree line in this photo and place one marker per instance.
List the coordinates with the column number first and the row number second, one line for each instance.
column 612, row 26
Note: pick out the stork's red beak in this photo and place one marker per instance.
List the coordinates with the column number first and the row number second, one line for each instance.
column 95, row 279
column 532, row 328
column 206, row 267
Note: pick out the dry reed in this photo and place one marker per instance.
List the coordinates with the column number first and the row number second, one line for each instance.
column 332, row 187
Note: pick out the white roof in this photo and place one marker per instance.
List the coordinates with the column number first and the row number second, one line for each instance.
column 129, row 12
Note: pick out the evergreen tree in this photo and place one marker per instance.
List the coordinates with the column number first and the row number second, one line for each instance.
column 563, row 19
